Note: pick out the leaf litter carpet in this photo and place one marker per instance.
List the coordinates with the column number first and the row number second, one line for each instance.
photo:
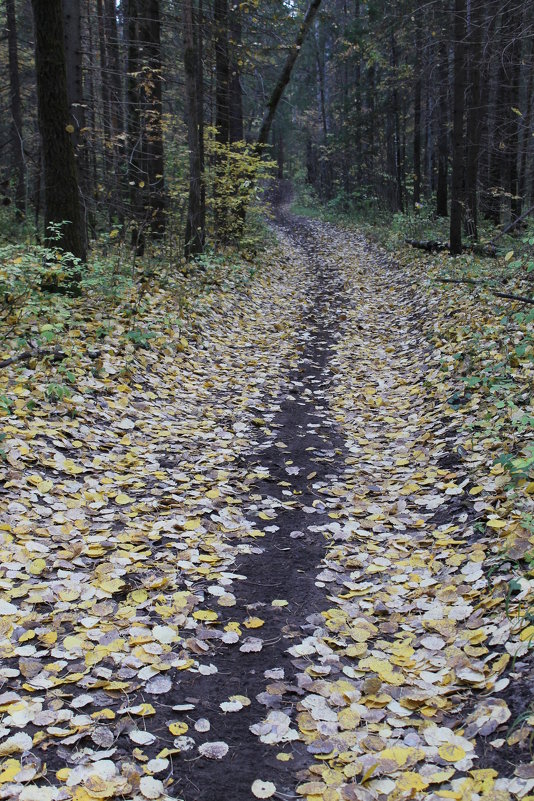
column 257, row 569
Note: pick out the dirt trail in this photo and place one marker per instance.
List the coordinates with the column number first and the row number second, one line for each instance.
column 303, row 454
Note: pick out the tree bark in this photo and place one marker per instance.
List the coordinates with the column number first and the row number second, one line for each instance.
column 195, row 233
column 235, row 90
column 475, row 115
column 458, row 140
column 443, row 133
column 152, row 104
column 417, row 113
column 62, row 199
column 17, row 142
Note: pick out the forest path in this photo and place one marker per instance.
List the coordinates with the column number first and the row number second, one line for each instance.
column 299, row 461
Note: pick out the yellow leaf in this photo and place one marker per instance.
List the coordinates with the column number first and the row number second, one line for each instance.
column 476, row 490
column 451, row 753
column 10, row 769
column 409, row 782
column 69, row 128
column 253, row 622
column 122, row 499
column 206, row 615
column 527, row 634
column 496, row 523
column 37, row 566
column 178, row 728
column 214, row 493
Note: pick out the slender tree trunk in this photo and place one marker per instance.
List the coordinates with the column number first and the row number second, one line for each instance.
column 194, row 233
column 116, row 106
column 152, row 102
column 399, row 194
column 475, row 115
column 222, row 71
column 443, row 133
column 417, row 112
column 222, row 117
column 62, row 199
column 198, row 16
column 514, row 125
column 236, row 92
column 458, row 141
column 137, row 178
column 17, row 142
column 285, row 75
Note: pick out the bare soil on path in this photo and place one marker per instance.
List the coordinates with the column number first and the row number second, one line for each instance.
column 305, row 452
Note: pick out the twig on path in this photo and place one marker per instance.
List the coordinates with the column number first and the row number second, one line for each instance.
column 55, row 355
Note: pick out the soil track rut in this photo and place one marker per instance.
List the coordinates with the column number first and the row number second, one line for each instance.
column 302, row 455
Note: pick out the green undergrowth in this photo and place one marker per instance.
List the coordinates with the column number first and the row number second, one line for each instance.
column 51, row 342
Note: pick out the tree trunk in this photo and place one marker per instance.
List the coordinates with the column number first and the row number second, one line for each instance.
column 137, row 178
column 62, row 200
column 285, row 75
column 458, row 141
column 222, row 71
column 152, row 134
column 194, row 233
column 417, row 113
column 475, row 115
column 72, row 37
column 17, row 142
column 236, row 92
column 443, row 133
column 116, row 105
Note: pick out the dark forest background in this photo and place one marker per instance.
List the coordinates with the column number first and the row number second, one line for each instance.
column 160, row 120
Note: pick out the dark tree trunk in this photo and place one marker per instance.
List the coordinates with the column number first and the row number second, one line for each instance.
column 116, row 113
column 395, row 110
column 285, row 75
column 475, row 115
column 443, row 133
column 458, row 140
column 515, row 19
column 194, row 233
column 236, row 92
column 62, row 199
column 222, row 71
column 73, row 62
column 152, row 102
column 222, row 115
column 198, row 40
column 17, row 142
column 417, row 113
column 137, row 178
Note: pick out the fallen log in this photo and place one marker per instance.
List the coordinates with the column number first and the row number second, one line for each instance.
column 430, row 245
column 506, row 295
column 434, row 246
column 512, row 225
column 54, row 355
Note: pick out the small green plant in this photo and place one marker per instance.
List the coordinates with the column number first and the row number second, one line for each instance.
column 139, row 338
column 56, row 393
column 6, row 404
